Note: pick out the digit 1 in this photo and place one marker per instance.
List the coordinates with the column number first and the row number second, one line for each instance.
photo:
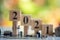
column 47, row 29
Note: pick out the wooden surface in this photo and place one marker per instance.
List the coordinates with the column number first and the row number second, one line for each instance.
column 50, row 29
column 25, row 30
column 44, row 30
column 25, row 20
column 14, row 15
column 14, row 28
column 35, row 25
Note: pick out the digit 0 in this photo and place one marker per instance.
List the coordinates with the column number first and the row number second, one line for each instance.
column 25, row 20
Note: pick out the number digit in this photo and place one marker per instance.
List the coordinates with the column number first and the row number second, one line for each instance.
column 25, row 20
column 47, row 29
column 15, row 15
column 36, row 23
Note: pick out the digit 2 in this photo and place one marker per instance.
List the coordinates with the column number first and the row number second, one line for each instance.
column 36, row 24
column 25, row 20
column 15, row 15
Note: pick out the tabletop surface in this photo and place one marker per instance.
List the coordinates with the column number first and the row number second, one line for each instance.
column 30, row 38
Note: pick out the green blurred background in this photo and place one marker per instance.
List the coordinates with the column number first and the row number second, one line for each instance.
column 46, row 10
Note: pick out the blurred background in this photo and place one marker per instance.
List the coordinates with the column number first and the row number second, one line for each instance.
column 46, row 10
